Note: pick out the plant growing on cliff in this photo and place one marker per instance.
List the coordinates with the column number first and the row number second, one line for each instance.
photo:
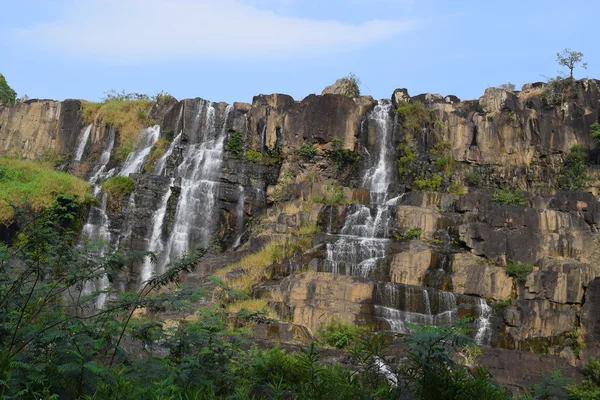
column 117, row 188
column 519, row 271
column 509, row 197
column 413, row 117
column 235, row 144
column 433, row 184
column 34, row 183
column 339, row 334
column 573, row 176
column 570, row 59
column 407, row 158
column 7, row 94
column 308, row 150
column 342, row 156
column 589, row 389
column 351, row 85
column 158, row 150
column 595, row 133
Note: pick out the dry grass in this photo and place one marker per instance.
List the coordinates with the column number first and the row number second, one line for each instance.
column 35, row 183
column 129, row 117
column 539, row 92
column 252, row 305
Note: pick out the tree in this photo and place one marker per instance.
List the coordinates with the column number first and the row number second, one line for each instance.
column 7, row 94
column 569, row 58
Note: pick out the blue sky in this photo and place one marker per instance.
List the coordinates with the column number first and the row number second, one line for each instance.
column 231, row 50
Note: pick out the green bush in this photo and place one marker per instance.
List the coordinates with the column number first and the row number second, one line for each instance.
column 407, row 159
column 573, row 175
column 474, row 179
column 413, row 234
column 433, row 184
column 413, row 117
column 308, row 150
column 595, row 133
column 117, row 188
column 445, row 164
column 589, row 389
column 340, row 334
column 253, row 156
column 518, row 270
column 235, row 144
column 7, row 94
column 509, row 198
column 342, row 156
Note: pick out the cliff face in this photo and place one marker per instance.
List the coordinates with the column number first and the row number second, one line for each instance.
column 241, row 175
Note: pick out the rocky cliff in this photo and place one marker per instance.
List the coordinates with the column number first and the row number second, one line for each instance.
column 393, row 205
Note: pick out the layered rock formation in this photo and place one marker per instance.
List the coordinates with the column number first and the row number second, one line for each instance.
column 383, row 253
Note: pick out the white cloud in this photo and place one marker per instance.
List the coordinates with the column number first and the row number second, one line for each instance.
column 134, row 30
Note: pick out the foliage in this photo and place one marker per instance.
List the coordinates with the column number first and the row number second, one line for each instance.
column 308, row 150
column 589, row 389
column 333, row 195
column 282, row 191
column 595, row 133
column 413, row 117
column 235, row 144
column 7, row 94
column 407, row 158
column 350, row 85
column 340, row 334
column 431, row 371
column 342, row 156
column 410, row 234
column 474, row 179
column 570, row 59
column 158, row 150
column 509, row 198
column 128, row 113
column 433, row 184
column 117, row 188
column 445, row 164
column 500, row 305
column 552, row 387
column 559, row 90
column 36, row 184
column 573, row 176
column 253, row 156
column 509, row 87
column 518, row 270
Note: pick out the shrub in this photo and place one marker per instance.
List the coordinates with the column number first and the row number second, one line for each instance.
column 308, row 150
column 589, row 389
column 445, row 164
column 573, row 175
column 508, row 86
column 333, row 195
column 474, row 179
column 518, row 270
column 117, row 188
column 34, row 183
column 500, row 305
column 412, row 234
column 407, row 158
column 595, row 132
column 351, row 85
column 253, row 156
column 433, row 184
column 509, row 198
column 157, row 151
column 7, row 94
column 235, row 144
column 413, row 116
column 340, row 334
column 341, row 155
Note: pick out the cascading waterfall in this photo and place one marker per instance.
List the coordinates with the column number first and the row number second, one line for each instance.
column 198, row 172
column 83, row 140
column 484, row 325
column 365, row 229
column 162, row 161
column 137, row 158
column 239, row 212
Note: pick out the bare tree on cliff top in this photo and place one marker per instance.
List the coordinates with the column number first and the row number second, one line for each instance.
column 569, row 58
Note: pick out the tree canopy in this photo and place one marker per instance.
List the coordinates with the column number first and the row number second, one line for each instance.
column 7, row 94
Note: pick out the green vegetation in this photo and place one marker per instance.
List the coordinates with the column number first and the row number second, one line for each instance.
column 117, row 188
column 351, row 86
column 570, row 59
column 34, row 183
column 573, row 175
column 518, row 270
column 595, row 133
column 7, row 94
column 235, row 144
column 283, row 191
column 413, row 117
column 509, row 87
column 308, row 150
column 342, row 156
column 253, row 156
column 589, row 389
column 474, row 179
column 157, row 151
column 509, row 198
column 340, row 334
column 445, row 164
column 410, row 234
column 333, row 195
column 433, row 184
column 128, row 113
column 499, row 305
column 407, row 158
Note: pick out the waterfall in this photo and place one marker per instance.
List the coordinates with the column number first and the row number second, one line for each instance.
column 104, row 158
column 162, row 161
column 156, row 243
column 83, row 142
column 484, row 325
column 239, row 216
column 137, row 158
column 198, row 174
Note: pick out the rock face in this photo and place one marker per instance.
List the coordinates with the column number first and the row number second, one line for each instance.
column 386, row 251
column 344, row 86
